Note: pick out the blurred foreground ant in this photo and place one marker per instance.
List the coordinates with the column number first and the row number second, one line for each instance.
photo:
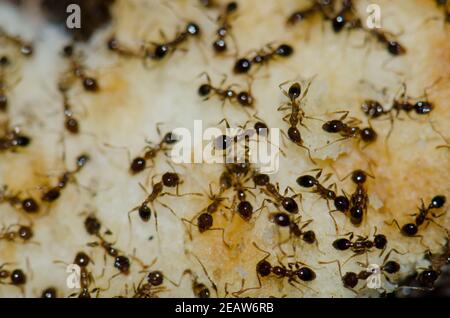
column 294, row 272
column 262, row 57
column 121, row 262
column 304, row 14
column 54, row 193
column 4, row 63
column 77, row 70
column 25, row 48
column 359, row 200
column 223, row 20
column 70, row 121
column 411, row 229
column 16, row 277
column 12, row 139
column 24, row 233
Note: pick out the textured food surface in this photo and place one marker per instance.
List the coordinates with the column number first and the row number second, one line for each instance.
column 134, row 97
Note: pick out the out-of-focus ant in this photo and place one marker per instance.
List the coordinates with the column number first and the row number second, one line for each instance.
column 296, row 272
column 17, row 232
column 54, row 193
column 77, row 71
column 223, row 21
column 14, row 277
column 243, row 98
column 317, row 6
column 29, row 205
column 4, row 63
column 121, row 262
column 25, row 48
column 297, row 114
column 71, row 123
column 168, row 47
column 411, row 229
column 262, row 57
column 12, row 139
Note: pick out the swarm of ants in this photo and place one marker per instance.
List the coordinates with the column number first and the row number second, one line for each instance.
column 241, row 192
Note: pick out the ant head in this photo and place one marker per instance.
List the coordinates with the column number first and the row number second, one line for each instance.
column 231, row 7
column 170, row 138
column 294, row 90
column 284, row 50
column 170, row 179
column 245, row 99
column 192, row 28
column 438, row 202
column 92, row 225
column 82, row 259
column 341, row 203
column 359, row 176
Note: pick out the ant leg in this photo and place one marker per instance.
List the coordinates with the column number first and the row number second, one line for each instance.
column 228, row 246
column 394, row 221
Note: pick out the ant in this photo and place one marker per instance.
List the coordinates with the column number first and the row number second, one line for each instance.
column 161, row 50
column 26, row 49
column 29, row 205
column 168, row 180
column 205, row 218
column 49, row 292
column 283, row 219
column 139, row 163
column 70, row 123
column 243, row 98
column 302, row 15
column 361, row 245
column 12, row 139
column 16, row 277
column 121, row 262
column 223, row 21
column 54, row 193
column 297, row 114
column 22, row 232
column 262, row 56
column 385, row 38
column 4, row 63
column 411, row 229
column 294, row 272
column 86, row 279
column 349, row 129
column 271, row 190
column 78, row 70
column 351, row 279
column 359, row 200
column 341, row 202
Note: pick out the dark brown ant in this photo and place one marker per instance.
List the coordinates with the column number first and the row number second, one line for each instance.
column 223, row 21
column 243, row 98
column 78, row 70
column 351, row 279
column 359, row 200
column 205, row 217
column 288, row 203
column 139, row 163
column 13, row 139
column 350, row 129
column 49, row 292
column 344, row 17
column 121, row 262
column 29, row 205
column 262, row 57
column 283, row 219
column 385, row 38
column 54, row 193
column 24, row 233
column 86, row 278
column 161, row 50
column 70, row 121
column 4, row 63
column 25, row 48
column 16, row 277
column 294, row 272
column 168, row 180
column 304, row 14
column 411, row 229
column 297, row 114
column 341, row 202
column 361, row 245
